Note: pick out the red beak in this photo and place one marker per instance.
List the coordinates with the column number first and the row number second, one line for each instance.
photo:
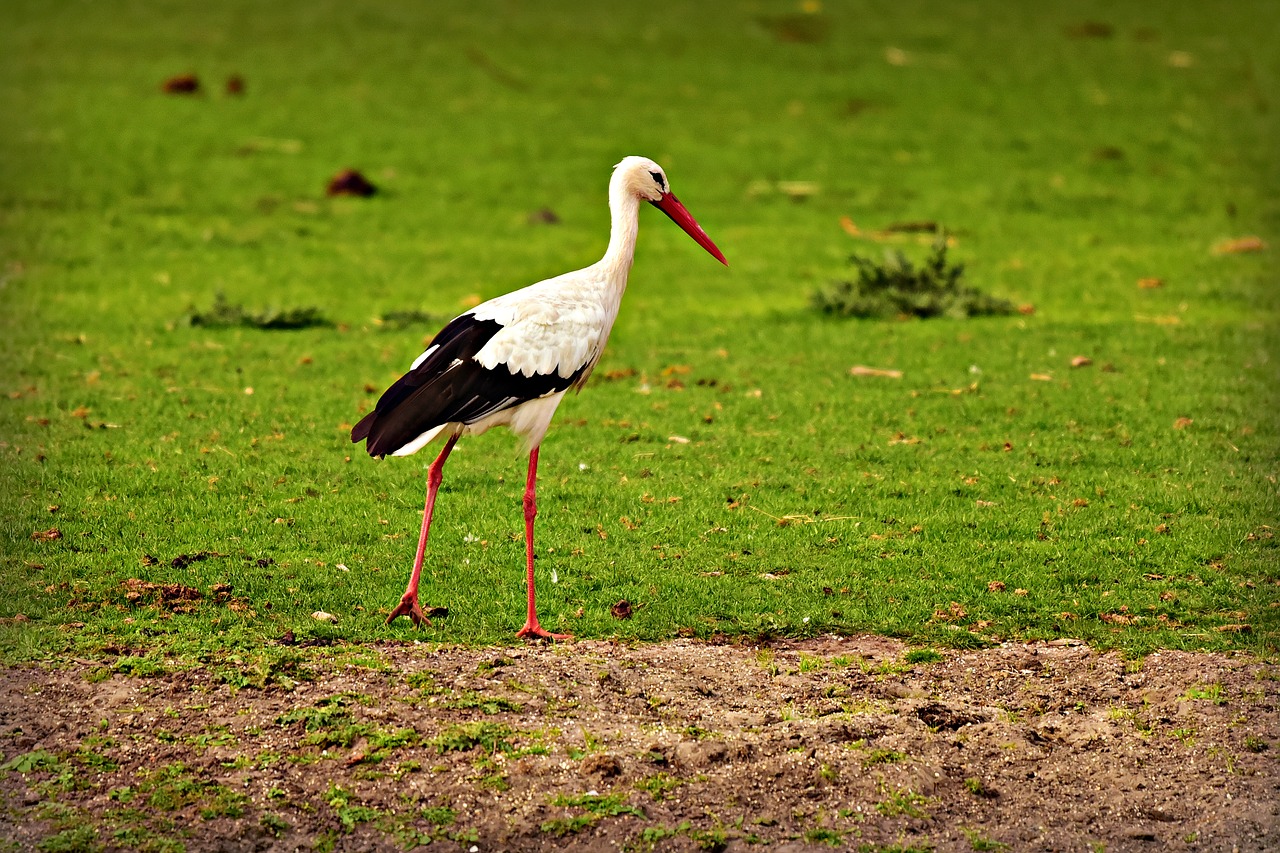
column 671, row 206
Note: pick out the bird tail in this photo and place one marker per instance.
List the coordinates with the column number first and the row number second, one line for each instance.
column 360, row 431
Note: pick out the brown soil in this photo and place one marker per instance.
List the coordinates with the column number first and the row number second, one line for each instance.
column 813, row 745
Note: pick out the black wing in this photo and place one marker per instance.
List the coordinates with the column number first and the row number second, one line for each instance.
column 450, row 386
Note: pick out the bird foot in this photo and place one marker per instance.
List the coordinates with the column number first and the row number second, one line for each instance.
column 409, row 606
column 533, row 631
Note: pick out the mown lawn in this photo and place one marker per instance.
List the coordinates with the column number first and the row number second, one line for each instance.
column 724, row 472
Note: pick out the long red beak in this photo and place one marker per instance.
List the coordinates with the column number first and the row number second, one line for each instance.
column 671, row 206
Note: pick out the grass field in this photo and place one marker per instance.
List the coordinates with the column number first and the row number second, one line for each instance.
column 723, row 472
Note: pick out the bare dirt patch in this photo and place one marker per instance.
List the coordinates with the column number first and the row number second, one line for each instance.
column 849, row 743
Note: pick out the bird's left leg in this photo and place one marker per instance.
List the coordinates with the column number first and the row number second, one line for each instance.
column 408, row 605
column 531, row 627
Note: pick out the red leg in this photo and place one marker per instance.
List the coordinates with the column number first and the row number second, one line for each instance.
column 408, row 605
column 531, row 627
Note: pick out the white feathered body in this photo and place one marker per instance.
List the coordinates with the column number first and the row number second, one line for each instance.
column 557, row 327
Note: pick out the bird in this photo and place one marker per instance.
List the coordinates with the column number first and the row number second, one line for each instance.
column 510, row 361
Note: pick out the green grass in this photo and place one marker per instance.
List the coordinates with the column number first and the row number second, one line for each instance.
column 595, row 807
column 1131, row 502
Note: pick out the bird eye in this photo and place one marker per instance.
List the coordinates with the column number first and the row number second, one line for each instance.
column 657, row 179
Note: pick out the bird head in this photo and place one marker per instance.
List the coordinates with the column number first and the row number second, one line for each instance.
column 642, row 178
column 645, row 179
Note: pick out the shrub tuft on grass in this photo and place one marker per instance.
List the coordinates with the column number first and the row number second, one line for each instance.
column 895, row 287
column 223, row 314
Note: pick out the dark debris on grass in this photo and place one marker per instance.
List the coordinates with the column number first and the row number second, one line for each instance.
column 395, row 320
column 896, row 287
column 224, row 314
column 350, row 182
column 181, row 84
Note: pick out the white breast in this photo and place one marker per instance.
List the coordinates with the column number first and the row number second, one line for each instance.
column 556, row 326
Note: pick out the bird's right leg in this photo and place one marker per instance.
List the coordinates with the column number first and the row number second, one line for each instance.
column 408, row 605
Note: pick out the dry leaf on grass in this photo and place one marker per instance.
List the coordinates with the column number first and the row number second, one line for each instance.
column 788, row 520
column 896, row 56
column 863, row 370
column 1150, row 283
column 170, row 596
column 797, row 190
column 1239, row 245
column 953, row 613
column 1081, row 361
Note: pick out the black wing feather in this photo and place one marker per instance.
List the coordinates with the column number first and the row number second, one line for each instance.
column 450, row 386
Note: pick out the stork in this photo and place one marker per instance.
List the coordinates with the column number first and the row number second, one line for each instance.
column 509, row 361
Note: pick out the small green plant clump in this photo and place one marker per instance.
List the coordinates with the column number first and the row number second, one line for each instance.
column 922, row 656
column 596, row 806
column 224, row 314
column 895, row 287
column 493, row 737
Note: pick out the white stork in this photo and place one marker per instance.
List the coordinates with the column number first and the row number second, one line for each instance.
column 509, row 361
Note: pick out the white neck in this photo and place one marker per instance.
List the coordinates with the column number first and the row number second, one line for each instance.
column 624, row 208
